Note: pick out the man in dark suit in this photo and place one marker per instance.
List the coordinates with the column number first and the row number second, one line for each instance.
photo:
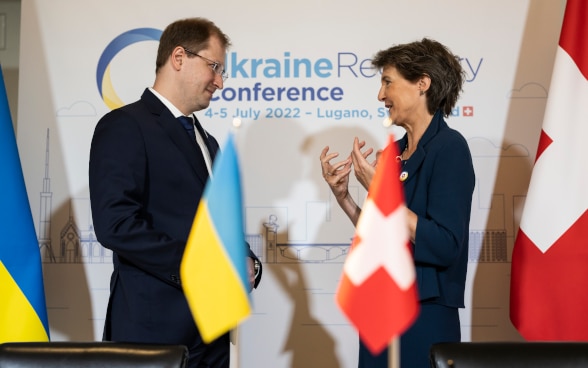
column 147, row 174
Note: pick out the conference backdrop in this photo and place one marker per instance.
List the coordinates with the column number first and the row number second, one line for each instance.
column 299, row 80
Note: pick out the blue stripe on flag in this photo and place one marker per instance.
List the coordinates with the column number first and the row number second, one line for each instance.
column 19, row 249
column 223, row 196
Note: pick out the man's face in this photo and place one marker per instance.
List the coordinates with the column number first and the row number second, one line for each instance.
column 200, row 81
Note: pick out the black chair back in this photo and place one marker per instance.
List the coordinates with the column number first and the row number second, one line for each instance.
column 91, row 355
column 510, row 355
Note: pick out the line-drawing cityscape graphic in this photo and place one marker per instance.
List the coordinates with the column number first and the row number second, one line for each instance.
column 78, row 244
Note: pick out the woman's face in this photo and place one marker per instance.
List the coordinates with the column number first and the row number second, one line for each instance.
column 401, row 97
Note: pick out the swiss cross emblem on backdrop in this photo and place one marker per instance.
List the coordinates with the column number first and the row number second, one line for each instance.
column 468, row 111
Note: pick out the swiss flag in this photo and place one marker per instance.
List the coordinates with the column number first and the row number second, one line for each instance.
column 549, row 279
column 377, row 291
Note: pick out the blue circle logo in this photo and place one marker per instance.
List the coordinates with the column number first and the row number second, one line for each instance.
column 105, row 87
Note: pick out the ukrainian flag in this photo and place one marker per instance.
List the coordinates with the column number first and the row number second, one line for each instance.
column 213, row 269
column 23, row 314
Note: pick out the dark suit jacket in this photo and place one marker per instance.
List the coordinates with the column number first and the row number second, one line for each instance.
column 439, row 190
column 146, row 179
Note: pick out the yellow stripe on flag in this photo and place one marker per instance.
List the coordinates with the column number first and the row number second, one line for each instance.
column 220, row 302
column 23, row 315
column 25, row 325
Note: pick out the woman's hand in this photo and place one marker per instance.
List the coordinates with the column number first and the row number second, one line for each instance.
column 364, row 170
column 336, row 174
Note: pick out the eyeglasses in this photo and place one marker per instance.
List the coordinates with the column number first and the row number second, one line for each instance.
column 214, row 65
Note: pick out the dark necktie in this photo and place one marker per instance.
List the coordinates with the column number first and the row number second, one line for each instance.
column 188, row 124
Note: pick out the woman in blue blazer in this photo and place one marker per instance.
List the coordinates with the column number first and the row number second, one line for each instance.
column 420, row 84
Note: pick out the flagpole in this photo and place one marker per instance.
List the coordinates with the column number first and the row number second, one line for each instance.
column 394, row 353
column 218, row 223
column 394, row 347
column 236, row 125
column 381, row 229
column 234, row 336
column 234, row 333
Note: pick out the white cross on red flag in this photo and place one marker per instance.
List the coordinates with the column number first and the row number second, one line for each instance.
column 377, row 291
column 549, row 278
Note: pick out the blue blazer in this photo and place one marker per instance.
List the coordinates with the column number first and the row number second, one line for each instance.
column 439, row 190
column 146, row 179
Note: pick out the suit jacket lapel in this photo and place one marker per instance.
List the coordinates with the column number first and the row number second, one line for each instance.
column 418, row 157
column 209, row 144
column 176, row 132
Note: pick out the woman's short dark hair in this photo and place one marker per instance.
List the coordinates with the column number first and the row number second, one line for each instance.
column 427, row 58
column 192, row 33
